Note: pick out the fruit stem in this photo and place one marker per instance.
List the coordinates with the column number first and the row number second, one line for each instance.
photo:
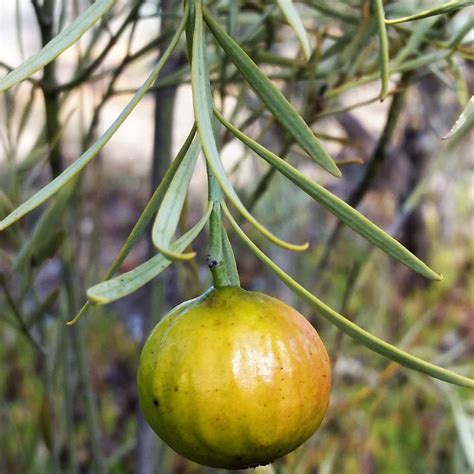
column 220, row 259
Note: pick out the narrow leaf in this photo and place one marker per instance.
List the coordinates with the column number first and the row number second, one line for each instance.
column 294, row 20
column 347, row 214
column 45, row 230
column 464, row 420
column 464, row 122
column 72, row 171
column 123, row 285
column 348, row 327
column 229, row 257
column 203, row 114
column 57, row 45
column 168, row 215
column 383, row 48
column 276, row 102
column 144, row 219
column 411, row 46
column 39, row 150
column 444, row 8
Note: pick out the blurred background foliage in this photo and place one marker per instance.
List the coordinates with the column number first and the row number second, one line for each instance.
column 67, row 394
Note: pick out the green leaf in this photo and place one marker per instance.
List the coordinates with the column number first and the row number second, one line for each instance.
column 348, row 327
column 45, row 231
column 44, row 307
column 72, row 171
column 57, row 45
column 123, row 285
column 410, row 65
column 203, row 113
column 232, row 273
column 350, row 216
column 331, row 9
column 460, row 81
column 464, row 123
column 383, row 48
column 39, row 149
column 464, row 421
column 168, row 215
column 276, row 102
column 444, row 8
column 294, row 20
column 144, row 219
column 412, row 46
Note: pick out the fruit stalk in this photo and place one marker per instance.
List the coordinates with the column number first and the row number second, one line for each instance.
column 220, row 259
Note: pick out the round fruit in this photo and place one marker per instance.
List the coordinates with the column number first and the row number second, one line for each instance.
column 234, row 379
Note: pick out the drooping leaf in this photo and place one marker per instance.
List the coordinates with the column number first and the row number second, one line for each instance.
column 123, row 285
column 350, row 216
column 145, row 218
column 58, row 44
column 348, row 327
column 72, row 171
column 168, row 215
column 203, row 113
column 294, row 20
column 282, row 110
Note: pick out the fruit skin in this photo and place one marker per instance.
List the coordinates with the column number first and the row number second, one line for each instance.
column 234, row 379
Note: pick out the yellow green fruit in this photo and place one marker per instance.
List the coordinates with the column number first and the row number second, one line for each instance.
column 234, row 379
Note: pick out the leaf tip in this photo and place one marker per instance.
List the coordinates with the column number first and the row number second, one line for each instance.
column 298, row 247
column 432, row 275
column 75, row 319
column 445, row 137
column 335, row 171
